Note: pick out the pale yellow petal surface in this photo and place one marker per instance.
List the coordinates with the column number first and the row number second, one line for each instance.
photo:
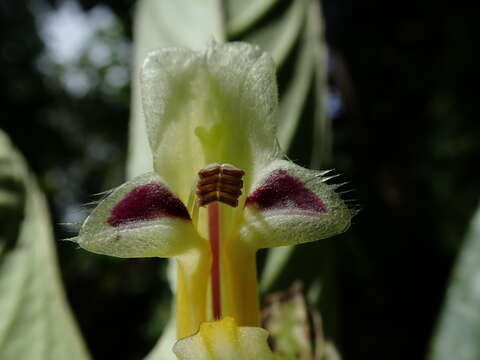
column 205, row 107
column 223, row 339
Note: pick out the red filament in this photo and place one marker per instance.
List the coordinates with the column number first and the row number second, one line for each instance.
column 214, row 234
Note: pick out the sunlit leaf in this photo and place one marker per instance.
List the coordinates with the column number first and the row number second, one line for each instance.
column 278, row 36
column 458, row 333
column 35, row 321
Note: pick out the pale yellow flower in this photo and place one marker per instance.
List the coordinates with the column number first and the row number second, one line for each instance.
column 217, row 106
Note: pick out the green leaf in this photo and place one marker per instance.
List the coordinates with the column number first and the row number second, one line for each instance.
column 279, row 36
column 163, row 347
column 158, row 24
column 277, row 259
column 322, row 134
column 243, row 13
column 311, row 61
column 35, row 321
column 458, row 332
column 293, row 99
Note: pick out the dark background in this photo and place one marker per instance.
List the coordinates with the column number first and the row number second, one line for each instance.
column 406, row 135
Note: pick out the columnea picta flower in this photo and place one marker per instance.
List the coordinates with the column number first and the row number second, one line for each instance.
column 212, row 115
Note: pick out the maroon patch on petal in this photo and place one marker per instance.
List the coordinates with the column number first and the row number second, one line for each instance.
column 283, row 191
column 147, row 202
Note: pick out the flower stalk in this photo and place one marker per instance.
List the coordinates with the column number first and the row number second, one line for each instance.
column 214, row 235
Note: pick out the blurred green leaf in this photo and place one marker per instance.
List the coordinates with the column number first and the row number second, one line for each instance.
column 294, row 97
column 163, row 347
column 322, row 134
column 243, row 13
column 295, row 328
column 277, row 259
column 311, row 61
column 35, row 321
column 458, row 333
column 12, row 197
column 279, row 36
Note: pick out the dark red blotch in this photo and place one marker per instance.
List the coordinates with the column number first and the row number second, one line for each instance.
column 147, row 202
column 280, row 190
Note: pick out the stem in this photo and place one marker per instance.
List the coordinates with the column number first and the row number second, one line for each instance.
column 214, row 234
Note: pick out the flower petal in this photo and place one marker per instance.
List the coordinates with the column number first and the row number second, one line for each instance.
column 141, row 218
column 291, row 205
column 206, row 107
column 223, row 339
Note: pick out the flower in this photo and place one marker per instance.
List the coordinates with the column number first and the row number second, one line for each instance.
column 203, row 108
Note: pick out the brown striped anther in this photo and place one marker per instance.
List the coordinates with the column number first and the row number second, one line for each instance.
column 219, row 182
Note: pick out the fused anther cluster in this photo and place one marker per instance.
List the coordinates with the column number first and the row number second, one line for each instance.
column 219, row 183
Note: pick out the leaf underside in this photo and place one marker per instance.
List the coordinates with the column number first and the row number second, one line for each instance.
column 35, row 321
column 458, row 332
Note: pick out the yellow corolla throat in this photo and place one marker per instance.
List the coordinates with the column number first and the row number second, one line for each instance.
column 232, row 265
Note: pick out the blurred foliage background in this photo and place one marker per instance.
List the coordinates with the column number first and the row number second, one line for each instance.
column 405, row 132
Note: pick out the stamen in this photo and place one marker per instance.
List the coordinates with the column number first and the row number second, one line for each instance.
column 219, row 183
column 214, row 234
